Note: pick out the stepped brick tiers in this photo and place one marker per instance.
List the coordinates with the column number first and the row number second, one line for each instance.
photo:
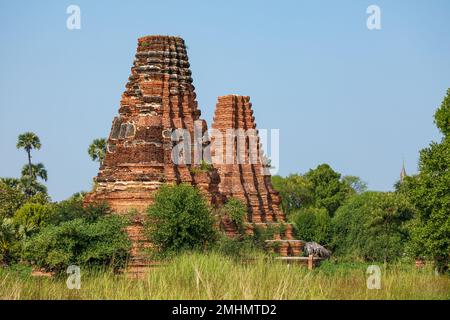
column 243, row 173
column 159, row 101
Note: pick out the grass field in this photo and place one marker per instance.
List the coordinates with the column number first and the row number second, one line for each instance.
column 212, row 276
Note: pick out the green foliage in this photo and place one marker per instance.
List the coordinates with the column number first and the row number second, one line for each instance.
column 37, row 171
column 28, row 141
column 180, row 218
column 354, row 184
column 442, row 116
column 312, row 224
column 11, row 199
column 261, row 233
column 97, row 150
column 31, row 186
column 203, row 167
column 295, row 190
column 236, row 211
column 73, row 208
column 10, row 235
column 33, row 216
column 430, row 193
column 237, row 248
column 372, row 226
column 99, row 243
column 328, row 190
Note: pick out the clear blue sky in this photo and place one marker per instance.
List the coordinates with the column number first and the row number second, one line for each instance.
column 359, row 100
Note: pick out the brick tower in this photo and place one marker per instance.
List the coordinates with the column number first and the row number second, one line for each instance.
column 243, row 173
column 159, row 98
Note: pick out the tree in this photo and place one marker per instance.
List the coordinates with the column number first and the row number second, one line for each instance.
column 32, row 187
column 97, row 150
column 37, row 171
column 10, row 236
column 430, row 193
column 355, row 183
column 328, row 190
column 295, row 191
column 29, row 141
column 85, row 243
column 11, row 198
column 442, row 116
column 33, row 216
column 179, row 219
column 372, row 226
column 312, row 224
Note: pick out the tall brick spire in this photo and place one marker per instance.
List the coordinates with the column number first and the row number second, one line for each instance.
column 159, row 97
column 245, row 177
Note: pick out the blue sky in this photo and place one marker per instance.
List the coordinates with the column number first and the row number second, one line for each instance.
column 359, row 100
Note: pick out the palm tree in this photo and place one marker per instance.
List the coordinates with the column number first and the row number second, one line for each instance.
column 29, row 141
column 38, row 170
column 97, row 150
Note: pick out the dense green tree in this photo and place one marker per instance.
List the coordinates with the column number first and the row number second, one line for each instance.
column 32, row 187
column 442, row 116
column 295, row 190
column 11, row 198
column 312, row 224
column 430, row 193
column 10, row 236
column 102, row 242
column 372, row 226
column 33, row 216
column 328, row 190
column 180, row 218
column 355, row 184
column 97, row 150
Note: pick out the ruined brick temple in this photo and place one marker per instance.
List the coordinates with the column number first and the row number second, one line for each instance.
column 160, row 98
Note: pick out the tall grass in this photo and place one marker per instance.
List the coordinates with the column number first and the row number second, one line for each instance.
column 213, row 276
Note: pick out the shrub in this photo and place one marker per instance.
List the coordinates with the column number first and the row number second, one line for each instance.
column 10, row 236
column 312, row 224
column 11, row 199
column 33, row 216
column 100, row 243
column 237, row 248
column 372, row 226
column 236, row 212
column 180, row 219
column 73, row 208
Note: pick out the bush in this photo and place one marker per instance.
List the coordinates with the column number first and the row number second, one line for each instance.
column 11, row 199
column 100, row 243
column 33, row 216
column 73, row 208
column 180, row 219
column 10, row 236
column 372, row 226
column 312, row 224
column 236, row 212
column 237, row 248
